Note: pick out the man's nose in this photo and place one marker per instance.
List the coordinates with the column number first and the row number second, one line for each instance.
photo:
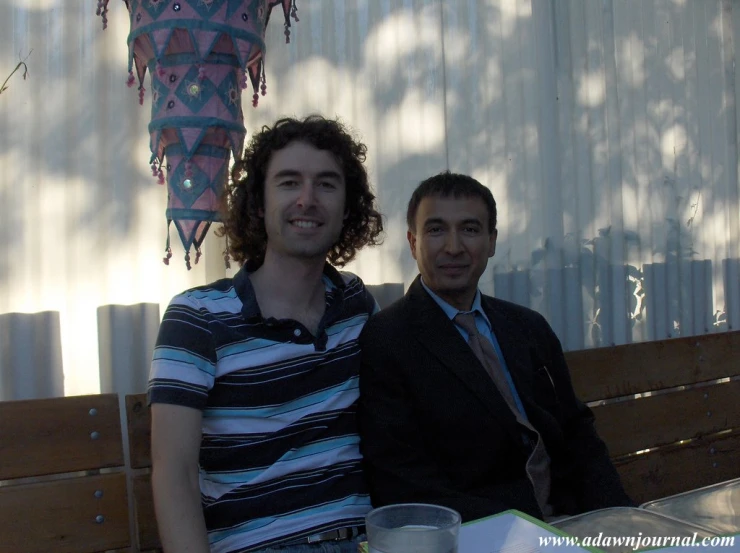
column 453, row 245
column 307, row 195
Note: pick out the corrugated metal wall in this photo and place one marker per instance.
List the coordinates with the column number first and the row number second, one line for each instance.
column 607, row 130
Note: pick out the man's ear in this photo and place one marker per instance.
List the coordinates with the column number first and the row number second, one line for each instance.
column 492, row 243
column 411, row 237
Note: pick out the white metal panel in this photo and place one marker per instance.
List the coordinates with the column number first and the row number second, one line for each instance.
column 632, row 227
column 607, row 132
column 82, row 221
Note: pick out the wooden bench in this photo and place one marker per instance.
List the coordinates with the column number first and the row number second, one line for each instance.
column 77, row 501
column 667, row 410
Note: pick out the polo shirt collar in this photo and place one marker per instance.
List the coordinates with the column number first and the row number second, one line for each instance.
column 245, row 291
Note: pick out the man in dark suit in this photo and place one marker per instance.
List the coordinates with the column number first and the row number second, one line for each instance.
column 480, row 419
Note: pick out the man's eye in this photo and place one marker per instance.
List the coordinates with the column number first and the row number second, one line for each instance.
column 434, row 230
column 288, row 183
column 327, row 184
column 472, row 230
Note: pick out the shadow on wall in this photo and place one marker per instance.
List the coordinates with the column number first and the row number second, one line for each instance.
column 575, row 115
column 524, row 137
column 69, row 130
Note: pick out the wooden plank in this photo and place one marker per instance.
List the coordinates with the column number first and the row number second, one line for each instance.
column 675, row 469
column 51, row 436
column 603, row 373
column 147, row 534
column 636, row 424
column 139, row 422
column 60, row 515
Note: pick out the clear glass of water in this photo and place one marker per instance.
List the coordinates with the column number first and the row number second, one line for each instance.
column 412, row 528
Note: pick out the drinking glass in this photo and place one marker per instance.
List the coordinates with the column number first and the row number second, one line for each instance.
column 412, row 528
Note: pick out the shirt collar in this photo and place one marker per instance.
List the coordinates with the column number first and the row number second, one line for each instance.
column 245, row 291
column 451, row 312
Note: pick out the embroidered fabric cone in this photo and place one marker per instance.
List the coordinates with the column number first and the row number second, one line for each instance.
column 200, row 54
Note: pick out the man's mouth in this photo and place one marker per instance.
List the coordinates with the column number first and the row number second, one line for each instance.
column 453, row 271
column 302, row 223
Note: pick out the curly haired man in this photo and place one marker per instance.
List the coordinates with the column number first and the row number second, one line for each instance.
column 254, row 381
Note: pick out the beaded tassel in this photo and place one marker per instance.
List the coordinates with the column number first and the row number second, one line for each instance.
column 226, row 254
column 157, row 170
column 294, row 15
column 294, row 11
column 167, row 249
column 103, row 12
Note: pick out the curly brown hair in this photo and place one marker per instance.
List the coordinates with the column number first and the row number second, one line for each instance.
column 244, row 196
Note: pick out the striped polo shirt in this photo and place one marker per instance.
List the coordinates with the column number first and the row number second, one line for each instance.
column 279, row 457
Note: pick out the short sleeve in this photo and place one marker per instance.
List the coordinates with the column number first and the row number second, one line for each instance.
column 184, row 361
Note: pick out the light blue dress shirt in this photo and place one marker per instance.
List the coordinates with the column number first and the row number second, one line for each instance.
column 484, row 329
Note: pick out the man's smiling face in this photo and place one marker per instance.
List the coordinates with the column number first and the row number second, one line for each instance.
column 304, row 207
column 451, row 244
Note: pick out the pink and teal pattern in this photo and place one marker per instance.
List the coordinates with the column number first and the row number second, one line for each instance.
column 200, row 54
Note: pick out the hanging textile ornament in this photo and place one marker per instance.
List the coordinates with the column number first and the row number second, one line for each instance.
column 200, row 54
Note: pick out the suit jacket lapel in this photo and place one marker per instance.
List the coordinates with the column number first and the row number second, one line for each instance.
column 439, row 335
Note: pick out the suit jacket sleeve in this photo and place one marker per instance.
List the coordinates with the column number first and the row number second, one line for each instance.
column 398, row 463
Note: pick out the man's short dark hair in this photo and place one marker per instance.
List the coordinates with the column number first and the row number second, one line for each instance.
column 244, row 228
column 448, row 184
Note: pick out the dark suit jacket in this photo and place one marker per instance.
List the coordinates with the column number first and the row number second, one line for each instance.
column 435, row 429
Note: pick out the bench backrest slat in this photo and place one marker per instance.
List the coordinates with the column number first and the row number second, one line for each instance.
column 637, row 424
column 58, row 435
column 611, row 372
column 674, row 469
column 61, row 516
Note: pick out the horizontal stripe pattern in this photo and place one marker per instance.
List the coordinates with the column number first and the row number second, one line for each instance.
column 280, row 454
